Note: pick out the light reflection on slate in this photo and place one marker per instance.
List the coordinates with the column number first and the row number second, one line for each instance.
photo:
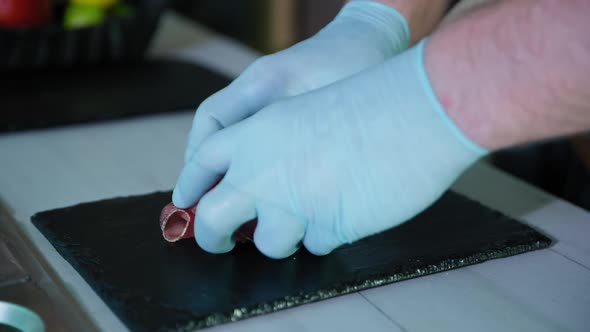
column 150, row 284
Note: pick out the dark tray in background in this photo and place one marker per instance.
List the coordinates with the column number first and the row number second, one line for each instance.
column 114, row 40
column 151, row 285
column 57, row 97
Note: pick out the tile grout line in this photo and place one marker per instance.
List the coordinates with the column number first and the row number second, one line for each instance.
column 403, row 329
column 570, row 259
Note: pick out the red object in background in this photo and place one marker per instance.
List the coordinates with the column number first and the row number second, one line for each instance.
column 24, row 13
column 177, row 224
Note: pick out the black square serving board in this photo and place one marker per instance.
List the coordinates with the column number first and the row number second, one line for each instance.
column 151, row 285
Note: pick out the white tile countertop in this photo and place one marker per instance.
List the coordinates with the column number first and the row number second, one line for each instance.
column 547, row 290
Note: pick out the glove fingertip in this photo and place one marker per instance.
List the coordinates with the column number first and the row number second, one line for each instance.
column 320, row 246
column 180, row 197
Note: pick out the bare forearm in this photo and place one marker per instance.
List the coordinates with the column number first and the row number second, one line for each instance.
column 422, row 15
column 515, row 71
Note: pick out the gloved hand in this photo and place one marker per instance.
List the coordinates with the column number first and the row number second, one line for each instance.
column 363, row 34
column 331, row 166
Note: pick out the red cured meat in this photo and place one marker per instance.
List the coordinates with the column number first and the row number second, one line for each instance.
column 177, row 224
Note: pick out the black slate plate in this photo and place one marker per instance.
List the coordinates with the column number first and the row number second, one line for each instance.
column 152, row 285
column 57, row 97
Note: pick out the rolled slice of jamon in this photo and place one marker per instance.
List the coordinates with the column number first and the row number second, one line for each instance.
column 178, row 224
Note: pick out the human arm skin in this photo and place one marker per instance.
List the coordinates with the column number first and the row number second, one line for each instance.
column 512, row 72
column 422, row 15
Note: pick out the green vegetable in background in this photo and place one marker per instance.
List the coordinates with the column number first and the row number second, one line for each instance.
column 79, row 16
column 95, row 3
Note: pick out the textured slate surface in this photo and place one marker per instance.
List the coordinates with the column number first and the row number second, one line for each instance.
column 150, row 284
column 40, row 99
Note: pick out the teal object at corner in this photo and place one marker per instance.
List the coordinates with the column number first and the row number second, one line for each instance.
column 20, row 318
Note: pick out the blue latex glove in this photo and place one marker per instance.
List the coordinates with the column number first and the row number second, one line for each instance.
column 331, row 166
column 363, row 34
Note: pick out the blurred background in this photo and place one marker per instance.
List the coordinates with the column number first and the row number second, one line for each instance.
column 35, row 33
column 266, row 25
